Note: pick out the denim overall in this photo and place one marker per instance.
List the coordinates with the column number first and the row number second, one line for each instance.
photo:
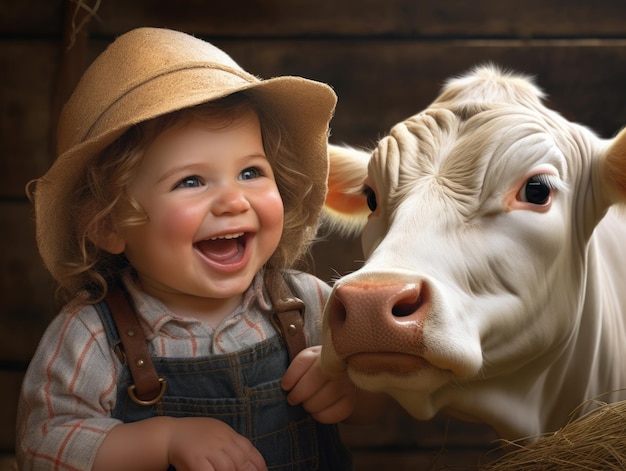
column 243, row 390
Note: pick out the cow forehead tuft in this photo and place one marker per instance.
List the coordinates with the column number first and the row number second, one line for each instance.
column 490, row 84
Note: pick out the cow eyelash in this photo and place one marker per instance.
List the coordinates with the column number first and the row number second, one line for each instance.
column 551, row 181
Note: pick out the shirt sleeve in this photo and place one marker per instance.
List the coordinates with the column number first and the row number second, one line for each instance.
column 314, row 293
column 67, row 396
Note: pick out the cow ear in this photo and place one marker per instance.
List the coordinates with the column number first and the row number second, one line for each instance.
column 615, row 168
column 345, row 208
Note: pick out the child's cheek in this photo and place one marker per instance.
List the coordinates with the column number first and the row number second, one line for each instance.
column 273, row 210
column 181, row 222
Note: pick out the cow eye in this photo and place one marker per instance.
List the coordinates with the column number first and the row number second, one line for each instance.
column 536, row 190
column 370, row 196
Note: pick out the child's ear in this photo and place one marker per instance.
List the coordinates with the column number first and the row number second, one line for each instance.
column 108, row 239
column 113, row 243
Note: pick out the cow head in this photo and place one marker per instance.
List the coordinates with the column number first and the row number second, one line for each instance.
column 475, row 218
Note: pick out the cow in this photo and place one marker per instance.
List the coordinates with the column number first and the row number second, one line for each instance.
column 494, row 281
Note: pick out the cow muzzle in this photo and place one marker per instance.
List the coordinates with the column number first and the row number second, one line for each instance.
column 378, row 328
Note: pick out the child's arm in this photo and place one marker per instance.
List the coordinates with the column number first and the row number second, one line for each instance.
column 329, row 399
column 189, row 444
column 64, row 416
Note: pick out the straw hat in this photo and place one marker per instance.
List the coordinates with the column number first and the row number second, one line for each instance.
column 149, row 72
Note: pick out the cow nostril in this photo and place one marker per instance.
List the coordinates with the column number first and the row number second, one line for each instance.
column 405, row 309
column 337, row 313
column 410, row 300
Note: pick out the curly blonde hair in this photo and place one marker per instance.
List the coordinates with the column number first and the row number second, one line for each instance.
column 90, row 270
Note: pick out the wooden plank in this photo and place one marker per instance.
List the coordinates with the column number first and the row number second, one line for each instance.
column 38, row 17
column 398, row 429
column 398, row 439
column 371, row 18
column 74, row 54
column 399, row 442
column 26, row 84
column 9, row 393
column 27, row 302
column 459, row 459
column 7, row 462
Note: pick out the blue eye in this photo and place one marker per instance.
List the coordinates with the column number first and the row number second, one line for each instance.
column 250, row 173
column 189, row 182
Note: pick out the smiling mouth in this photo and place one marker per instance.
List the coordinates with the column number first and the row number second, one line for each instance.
column 226, row 248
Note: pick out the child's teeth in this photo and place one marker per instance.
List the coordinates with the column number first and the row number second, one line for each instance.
column 228, row 236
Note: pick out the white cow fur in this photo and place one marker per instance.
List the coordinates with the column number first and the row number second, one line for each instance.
column 526, row 302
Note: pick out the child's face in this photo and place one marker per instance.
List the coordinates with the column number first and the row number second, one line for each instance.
column 215, row 213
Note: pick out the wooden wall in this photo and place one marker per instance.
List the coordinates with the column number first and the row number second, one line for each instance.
column 386, row 59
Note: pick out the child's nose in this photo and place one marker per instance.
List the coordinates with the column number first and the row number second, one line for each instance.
column 230, row 200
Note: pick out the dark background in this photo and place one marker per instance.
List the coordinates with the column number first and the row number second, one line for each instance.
column 386, row 59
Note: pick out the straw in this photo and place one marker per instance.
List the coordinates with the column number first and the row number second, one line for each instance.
column 593, row 441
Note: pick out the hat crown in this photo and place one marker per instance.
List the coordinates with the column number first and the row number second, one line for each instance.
column 130, row 62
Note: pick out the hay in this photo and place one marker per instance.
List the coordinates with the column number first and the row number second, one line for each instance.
column 594, row 441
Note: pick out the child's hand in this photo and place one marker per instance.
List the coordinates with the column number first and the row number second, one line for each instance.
column 198, row 444
column 328, row 399
column 189, row 444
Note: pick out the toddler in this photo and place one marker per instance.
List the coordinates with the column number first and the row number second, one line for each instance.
column 183, row 192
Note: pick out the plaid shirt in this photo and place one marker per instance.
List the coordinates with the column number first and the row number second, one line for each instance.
column 70, row 388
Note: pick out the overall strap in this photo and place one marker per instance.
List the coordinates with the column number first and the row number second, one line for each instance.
column 147, row 387
column 288, row 315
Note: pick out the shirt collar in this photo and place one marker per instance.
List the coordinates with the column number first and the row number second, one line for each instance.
column 154, row 314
